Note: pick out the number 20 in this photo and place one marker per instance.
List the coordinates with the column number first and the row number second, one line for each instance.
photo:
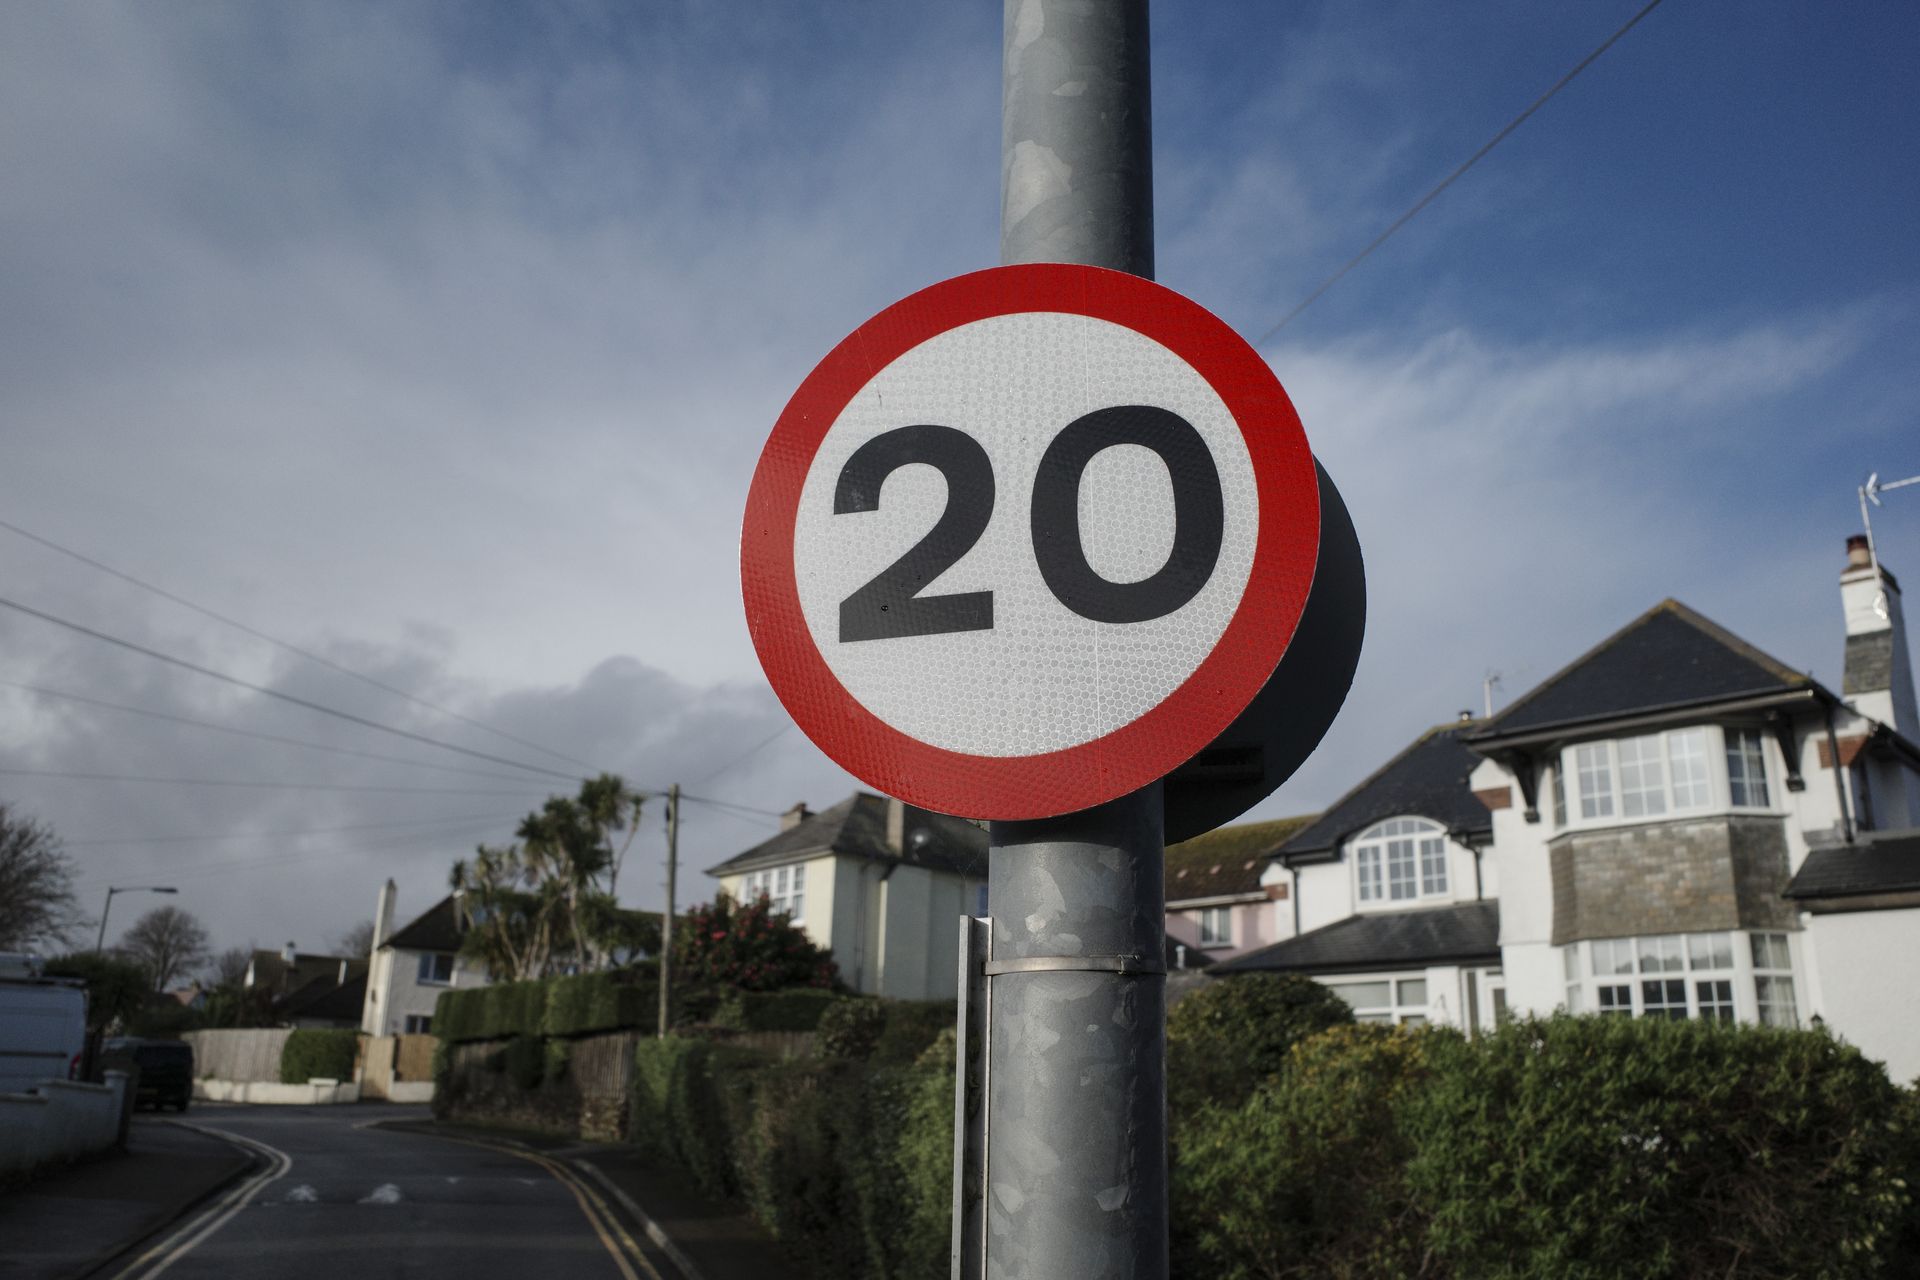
column 891, row 606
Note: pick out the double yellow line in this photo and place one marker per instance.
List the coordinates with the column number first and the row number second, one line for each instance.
column 605, row 1223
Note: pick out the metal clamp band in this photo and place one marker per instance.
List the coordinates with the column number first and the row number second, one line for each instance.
column 1136, row 965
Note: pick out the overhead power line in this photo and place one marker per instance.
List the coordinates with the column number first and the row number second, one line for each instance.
column 283, row 697
column 193, row 870
column 234, row 782
column 728, row 804
column 743, row 757
column 465, row 819
column 288, row 646
column 45, row 692
column 1449, row 180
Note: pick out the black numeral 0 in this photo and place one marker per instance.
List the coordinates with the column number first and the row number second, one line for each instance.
column 890, row 605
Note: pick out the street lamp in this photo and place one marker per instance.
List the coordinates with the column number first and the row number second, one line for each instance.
column 101, row 944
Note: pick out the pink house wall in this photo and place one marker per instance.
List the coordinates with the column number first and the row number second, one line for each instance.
column 1255, row 924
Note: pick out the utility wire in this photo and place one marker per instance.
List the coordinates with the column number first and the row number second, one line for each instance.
column 230, row 782
column 466, row 819
column 742, row 758
column 284, row 697
column 728, row 804
column 1449, row 180
column 44, row 692
column 288, row 646
column 193, row 870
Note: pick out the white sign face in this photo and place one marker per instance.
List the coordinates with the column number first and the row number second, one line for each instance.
column 1043, row 677
column 1027, row 540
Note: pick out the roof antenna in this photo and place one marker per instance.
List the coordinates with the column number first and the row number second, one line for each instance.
column 1870, row 493
column 1486, row 691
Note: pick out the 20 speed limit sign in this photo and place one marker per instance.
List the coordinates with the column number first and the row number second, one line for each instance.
column 1028, row 540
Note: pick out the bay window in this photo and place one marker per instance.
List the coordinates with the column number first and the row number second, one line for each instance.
column 1400, row 860
column 1697, row 975
column 1658, row 775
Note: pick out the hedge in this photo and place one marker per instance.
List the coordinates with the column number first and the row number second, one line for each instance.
column 561, row 1006
column 844, row 1162
column 1233, row 1033
column 318, row 1055
column 794, row 1009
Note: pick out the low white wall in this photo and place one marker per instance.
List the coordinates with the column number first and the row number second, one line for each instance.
column 314, row 1093
column 61, row 1121
column 410, row 1091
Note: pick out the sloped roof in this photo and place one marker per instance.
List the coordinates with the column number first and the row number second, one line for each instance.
column 435, row 929
column 857, row 827
column 329, row 998
column 1465, row 932
column 1668, row 656
column 1429, row 779
column 1885, row 862
column 1226, row 860
column 272, row 972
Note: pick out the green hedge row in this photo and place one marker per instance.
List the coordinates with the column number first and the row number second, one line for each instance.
column 792, row 1009
column 1567, row 1147
column 318, row 1055
column 845, row 1162
column 564, row 1006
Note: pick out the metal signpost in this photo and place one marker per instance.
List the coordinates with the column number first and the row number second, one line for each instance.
column 1021, row 547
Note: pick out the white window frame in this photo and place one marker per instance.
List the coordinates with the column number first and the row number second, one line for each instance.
column 417, row 1024
column 1392, row 861
column 1216, row 926
column 427, row 971
column 1682, row 772
column 784, row 886
column 1725, row 975
column 1407, row 995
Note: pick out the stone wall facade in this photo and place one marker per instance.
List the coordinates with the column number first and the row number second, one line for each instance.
column 1687, row 876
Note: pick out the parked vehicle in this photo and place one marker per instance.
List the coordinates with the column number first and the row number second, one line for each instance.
column 162, row 1070
column 43, row 1025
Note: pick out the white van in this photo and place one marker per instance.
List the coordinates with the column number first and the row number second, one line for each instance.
column 43, row 1025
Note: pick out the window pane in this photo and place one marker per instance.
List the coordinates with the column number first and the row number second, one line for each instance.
column 1661, row 955
column 780, row 883
column 1400, row 869
column 1746, row 769
column 800, row 877
column 1433, row 865
column 1710, row 951
column 1664, row 998
column 1612, row 955
column 1364, row 995
column 1559, row 796
column 1570, row 962
column 1414, row 1020
column 1574, row 1003
column 1615, row 999
column 1687, row 763
column 1385, row 1019
column 1596, row 781
column 1775, row 997
column 1770, row 951
column 1413, row 991
column 1643, row 790
column 1369, row 861
column 1716, row 999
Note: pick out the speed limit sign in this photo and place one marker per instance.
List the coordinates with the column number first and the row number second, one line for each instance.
column 1028, row 540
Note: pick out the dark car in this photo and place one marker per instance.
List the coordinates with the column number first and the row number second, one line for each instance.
column 162, row 1069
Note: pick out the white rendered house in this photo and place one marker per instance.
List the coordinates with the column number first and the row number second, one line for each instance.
column 412, row 965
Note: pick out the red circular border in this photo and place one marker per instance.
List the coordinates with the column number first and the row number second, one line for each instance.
column 1148, row 747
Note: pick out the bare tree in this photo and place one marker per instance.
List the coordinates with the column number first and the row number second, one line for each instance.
column 37, row 906
column 356, row 943
column 227, row 970
column 168, row 943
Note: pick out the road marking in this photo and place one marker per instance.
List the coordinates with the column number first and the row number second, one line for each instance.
column 178, row 1245
column 652, row 1228
column 605, row 1223
column 385, row 1193
column 303, row 1194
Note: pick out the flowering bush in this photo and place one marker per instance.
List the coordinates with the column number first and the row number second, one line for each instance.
column 747, row 945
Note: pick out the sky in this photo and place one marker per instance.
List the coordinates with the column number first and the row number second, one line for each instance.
column 440, row 341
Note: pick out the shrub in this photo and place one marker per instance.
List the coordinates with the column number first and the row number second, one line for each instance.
column 913, row 1026
column 1589, row 1147
column 318, row 1055
column 748, row 946
column 850, row 1029
column 690, row 1103
column 1233, row 1033
column 589, row 1002
column 794, row 1009
column 116, row 989
column 523, row 1060
column 1307, row 1176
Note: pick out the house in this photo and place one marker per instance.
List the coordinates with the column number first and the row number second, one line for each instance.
column 880, row 884
column 305, row 990
column 1674, row 825
column 1217, row 905
column 409, row 967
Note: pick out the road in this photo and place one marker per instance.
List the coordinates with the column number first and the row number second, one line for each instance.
column 336, row 1195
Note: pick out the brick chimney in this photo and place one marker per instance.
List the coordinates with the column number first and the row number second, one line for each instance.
column 1878, row 678
column 795, row 816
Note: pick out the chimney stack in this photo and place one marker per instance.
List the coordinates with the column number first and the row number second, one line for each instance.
column 896, row 826
column 795, row 816
column 383, row 916
column 1878, row 679
column 287, row 954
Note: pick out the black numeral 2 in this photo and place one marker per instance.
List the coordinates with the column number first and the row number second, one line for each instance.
column 890, row 605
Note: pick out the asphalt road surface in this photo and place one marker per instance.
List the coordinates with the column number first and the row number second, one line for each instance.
column 337, row 1196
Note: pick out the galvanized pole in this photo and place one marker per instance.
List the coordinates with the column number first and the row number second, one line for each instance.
column 1076, row 1162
